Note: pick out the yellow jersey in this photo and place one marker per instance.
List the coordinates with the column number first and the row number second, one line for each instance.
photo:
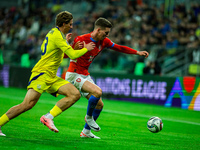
column 53, row 48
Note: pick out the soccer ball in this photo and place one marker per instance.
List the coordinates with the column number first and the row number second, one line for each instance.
column 155, row 124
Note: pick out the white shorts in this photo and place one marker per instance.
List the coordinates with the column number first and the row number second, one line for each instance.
column 78, row 80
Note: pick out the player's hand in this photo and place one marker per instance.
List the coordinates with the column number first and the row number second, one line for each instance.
column 68, row 37
column 90, row 46
column 78, row 45
column 143, row 53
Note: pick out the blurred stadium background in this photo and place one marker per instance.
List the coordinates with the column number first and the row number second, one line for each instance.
column 168, row 29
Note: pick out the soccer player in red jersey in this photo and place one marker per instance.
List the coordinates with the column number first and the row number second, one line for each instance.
column 78, row 74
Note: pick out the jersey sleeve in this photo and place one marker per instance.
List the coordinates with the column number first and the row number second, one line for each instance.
column 108, row 43
column 68, row 50
column 73, row 54
column 72, row 45
column 124, row 49
column 119, row 48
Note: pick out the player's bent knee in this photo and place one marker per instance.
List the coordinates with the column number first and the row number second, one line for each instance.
column 76, row 96
column 98, row 93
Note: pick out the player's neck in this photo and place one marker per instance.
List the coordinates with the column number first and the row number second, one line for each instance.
column 61, row 29
column 94, row 36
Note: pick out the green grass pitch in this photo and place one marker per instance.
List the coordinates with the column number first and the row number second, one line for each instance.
column 123, row 126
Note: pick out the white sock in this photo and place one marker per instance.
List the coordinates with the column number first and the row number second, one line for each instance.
column 86, row 131
column 88, row 117
column 49, row 116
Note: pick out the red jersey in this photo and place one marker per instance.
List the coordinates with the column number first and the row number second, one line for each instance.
column 81, row 64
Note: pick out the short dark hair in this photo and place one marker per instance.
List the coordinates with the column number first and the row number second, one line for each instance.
column 102, row 23
column 63, row 17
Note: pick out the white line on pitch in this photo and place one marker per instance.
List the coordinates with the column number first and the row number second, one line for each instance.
column 46, row 101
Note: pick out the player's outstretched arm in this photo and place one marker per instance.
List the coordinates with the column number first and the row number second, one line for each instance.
column 90, row 46
column 73, row 54
column 143, row 53
column 128, row 50
column 79, row 45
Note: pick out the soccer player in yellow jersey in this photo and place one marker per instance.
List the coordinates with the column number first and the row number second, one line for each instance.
column 43, row 77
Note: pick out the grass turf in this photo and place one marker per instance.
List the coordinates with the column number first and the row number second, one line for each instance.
column 123, row 126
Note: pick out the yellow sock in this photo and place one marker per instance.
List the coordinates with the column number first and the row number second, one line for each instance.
column 55, row 111
column 4, row 119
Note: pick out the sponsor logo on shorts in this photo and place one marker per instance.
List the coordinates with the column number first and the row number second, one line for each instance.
column 78, row 80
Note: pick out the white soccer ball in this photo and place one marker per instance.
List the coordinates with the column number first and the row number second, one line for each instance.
column 155, row 124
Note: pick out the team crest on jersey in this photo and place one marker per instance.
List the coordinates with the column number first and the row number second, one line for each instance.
column 38, row 86
column 78, row 80
column 91, row 58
